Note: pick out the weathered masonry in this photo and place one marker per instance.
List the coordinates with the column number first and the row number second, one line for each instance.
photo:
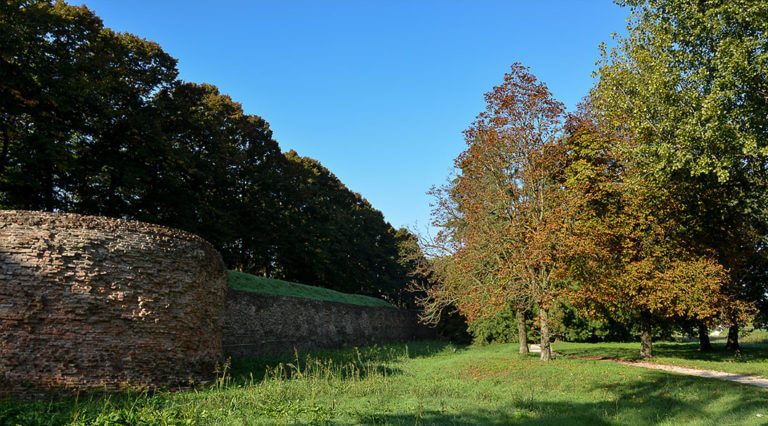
column 264, row 323
column 92, row 302
column 99, row 303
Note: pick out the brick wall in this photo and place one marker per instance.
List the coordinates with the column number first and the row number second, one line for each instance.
column 264, row 323
column 93, row 302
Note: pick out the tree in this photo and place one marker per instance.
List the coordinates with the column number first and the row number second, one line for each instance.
column 333, row 237
column 216, row 173
column 430, row 271
column 689, row 86
column 72, row 95
column 629, row 256
column 95, row 122
column 504, row 212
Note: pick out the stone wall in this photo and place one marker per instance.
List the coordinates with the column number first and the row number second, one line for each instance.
column 92, row 302
column 263, row 323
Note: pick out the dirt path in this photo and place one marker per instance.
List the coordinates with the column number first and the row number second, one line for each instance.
column 709, row 374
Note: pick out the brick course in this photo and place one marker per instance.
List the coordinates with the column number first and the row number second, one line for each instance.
column 92, row 302
column 258, row 323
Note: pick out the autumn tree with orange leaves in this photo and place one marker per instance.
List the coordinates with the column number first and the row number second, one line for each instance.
column 630, row 254
column 542, row 208
column 505, row 213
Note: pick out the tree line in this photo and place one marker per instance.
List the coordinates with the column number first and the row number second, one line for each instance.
column 647, row 205
column 98, row 122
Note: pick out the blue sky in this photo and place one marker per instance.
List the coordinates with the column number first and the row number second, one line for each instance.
column 378, row 91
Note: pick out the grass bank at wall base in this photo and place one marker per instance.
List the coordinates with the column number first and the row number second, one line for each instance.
column 246, row 282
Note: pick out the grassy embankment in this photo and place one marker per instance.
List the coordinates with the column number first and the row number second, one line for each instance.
column 425, row 382
column 752, row 359
column 247, row 282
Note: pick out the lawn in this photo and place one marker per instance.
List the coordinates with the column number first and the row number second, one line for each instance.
column 752, row 359
column 421, row 383
column 247, row 282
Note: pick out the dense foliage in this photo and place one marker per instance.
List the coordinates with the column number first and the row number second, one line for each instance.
column 647, row 205
column 96, row 122
column 689, row 87
column 504, row 213
column 632, row 257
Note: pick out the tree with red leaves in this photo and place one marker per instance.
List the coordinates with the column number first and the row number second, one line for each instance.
column 505, row 213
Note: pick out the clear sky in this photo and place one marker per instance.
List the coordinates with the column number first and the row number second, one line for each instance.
column 378, row 91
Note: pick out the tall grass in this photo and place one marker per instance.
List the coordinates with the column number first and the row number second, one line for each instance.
column 417, row 383
column 754, row 336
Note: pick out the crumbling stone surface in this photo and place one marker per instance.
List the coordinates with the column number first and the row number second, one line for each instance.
column 99, row 303
column 264, row 323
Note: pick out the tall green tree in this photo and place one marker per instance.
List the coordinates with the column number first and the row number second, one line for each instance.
column 217, row 174
column 628, row 259
column 333, row 237
column 69, row 89
column 689, row 86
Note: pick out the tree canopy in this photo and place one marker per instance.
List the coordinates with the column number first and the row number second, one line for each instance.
column 689, row 87
column 96, row 122
column 505, row 211
column 657, row 185
column 648, row 204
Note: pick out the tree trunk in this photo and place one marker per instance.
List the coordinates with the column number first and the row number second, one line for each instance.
column 733, row 337
column 546, row 351
column 646, row 345
column 704, row 343
column 522, row 333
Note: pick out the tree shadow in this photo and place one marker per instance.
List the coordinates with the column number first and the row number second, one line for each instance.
column 600, row 351
column 749, row 352
column 643, row 401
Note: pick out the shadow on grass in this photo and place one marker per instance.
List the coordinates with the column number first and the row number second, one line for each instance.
column 750, row 352
column 600, row 351
column 341, row 362
column 645, row 401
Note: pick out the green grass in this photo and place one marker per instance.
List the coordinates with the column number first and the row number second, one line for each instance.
column 753, row 336
column 752, row 360
column 422, row 383
column 247, row 282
